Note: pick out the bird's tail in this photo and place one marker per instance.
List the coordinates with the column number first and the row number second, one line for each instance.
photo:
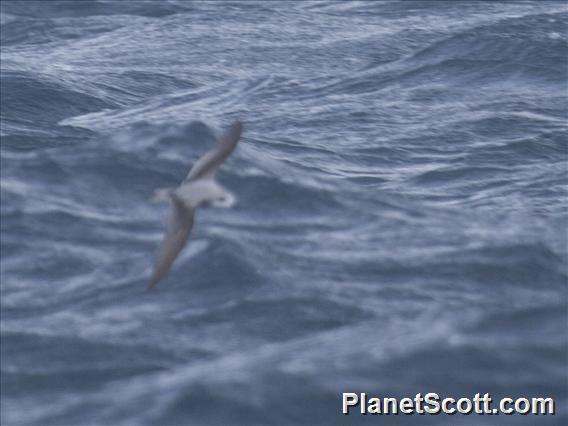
column 161, row 195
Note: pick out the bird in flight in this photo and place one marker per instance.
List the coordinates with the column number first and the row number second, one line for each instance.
column 198, row 189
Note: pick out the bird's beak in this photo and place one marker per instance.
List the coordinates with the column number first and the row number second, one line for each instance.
column 228, row 201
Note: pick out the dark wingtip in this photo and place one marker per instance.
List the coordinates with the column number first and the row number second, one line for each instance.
column 237, row 126
column 152, row 284
column 232, row 135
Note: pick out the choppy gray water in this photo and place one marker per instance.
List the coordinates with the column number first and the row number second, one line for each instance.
column 401, row 224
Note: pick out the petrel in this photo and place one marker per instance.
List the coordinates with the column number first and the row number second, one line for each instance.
column 198, row 189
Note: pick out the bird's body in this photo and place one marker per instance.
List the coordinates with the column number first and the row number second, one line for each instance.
column 199, row 189
column 203, row 192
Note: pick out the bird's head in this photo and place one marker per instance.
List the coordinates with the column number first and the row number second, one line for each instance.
column 224, row 200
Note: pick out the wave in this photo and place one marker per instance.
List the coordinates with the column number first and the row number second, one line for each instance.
column 401, row 201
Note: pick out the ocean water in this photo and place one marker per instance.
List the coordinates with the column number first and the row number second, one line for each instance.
column 400, row 226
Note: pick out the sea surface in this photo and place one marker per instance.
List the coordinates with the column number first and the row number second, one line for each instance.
column 400, row 226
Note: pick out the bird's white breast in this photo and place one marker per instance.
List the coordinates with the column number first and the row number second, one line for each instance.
column 200, row 191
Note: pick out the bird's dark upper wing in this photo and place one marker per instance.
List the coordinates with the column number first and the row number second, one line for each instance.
column 177, row 233
column 208, row 164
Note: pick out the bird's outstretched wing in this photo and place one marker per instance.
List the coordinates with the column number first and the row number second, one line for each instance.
column 177, row 233
column 207, row 165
